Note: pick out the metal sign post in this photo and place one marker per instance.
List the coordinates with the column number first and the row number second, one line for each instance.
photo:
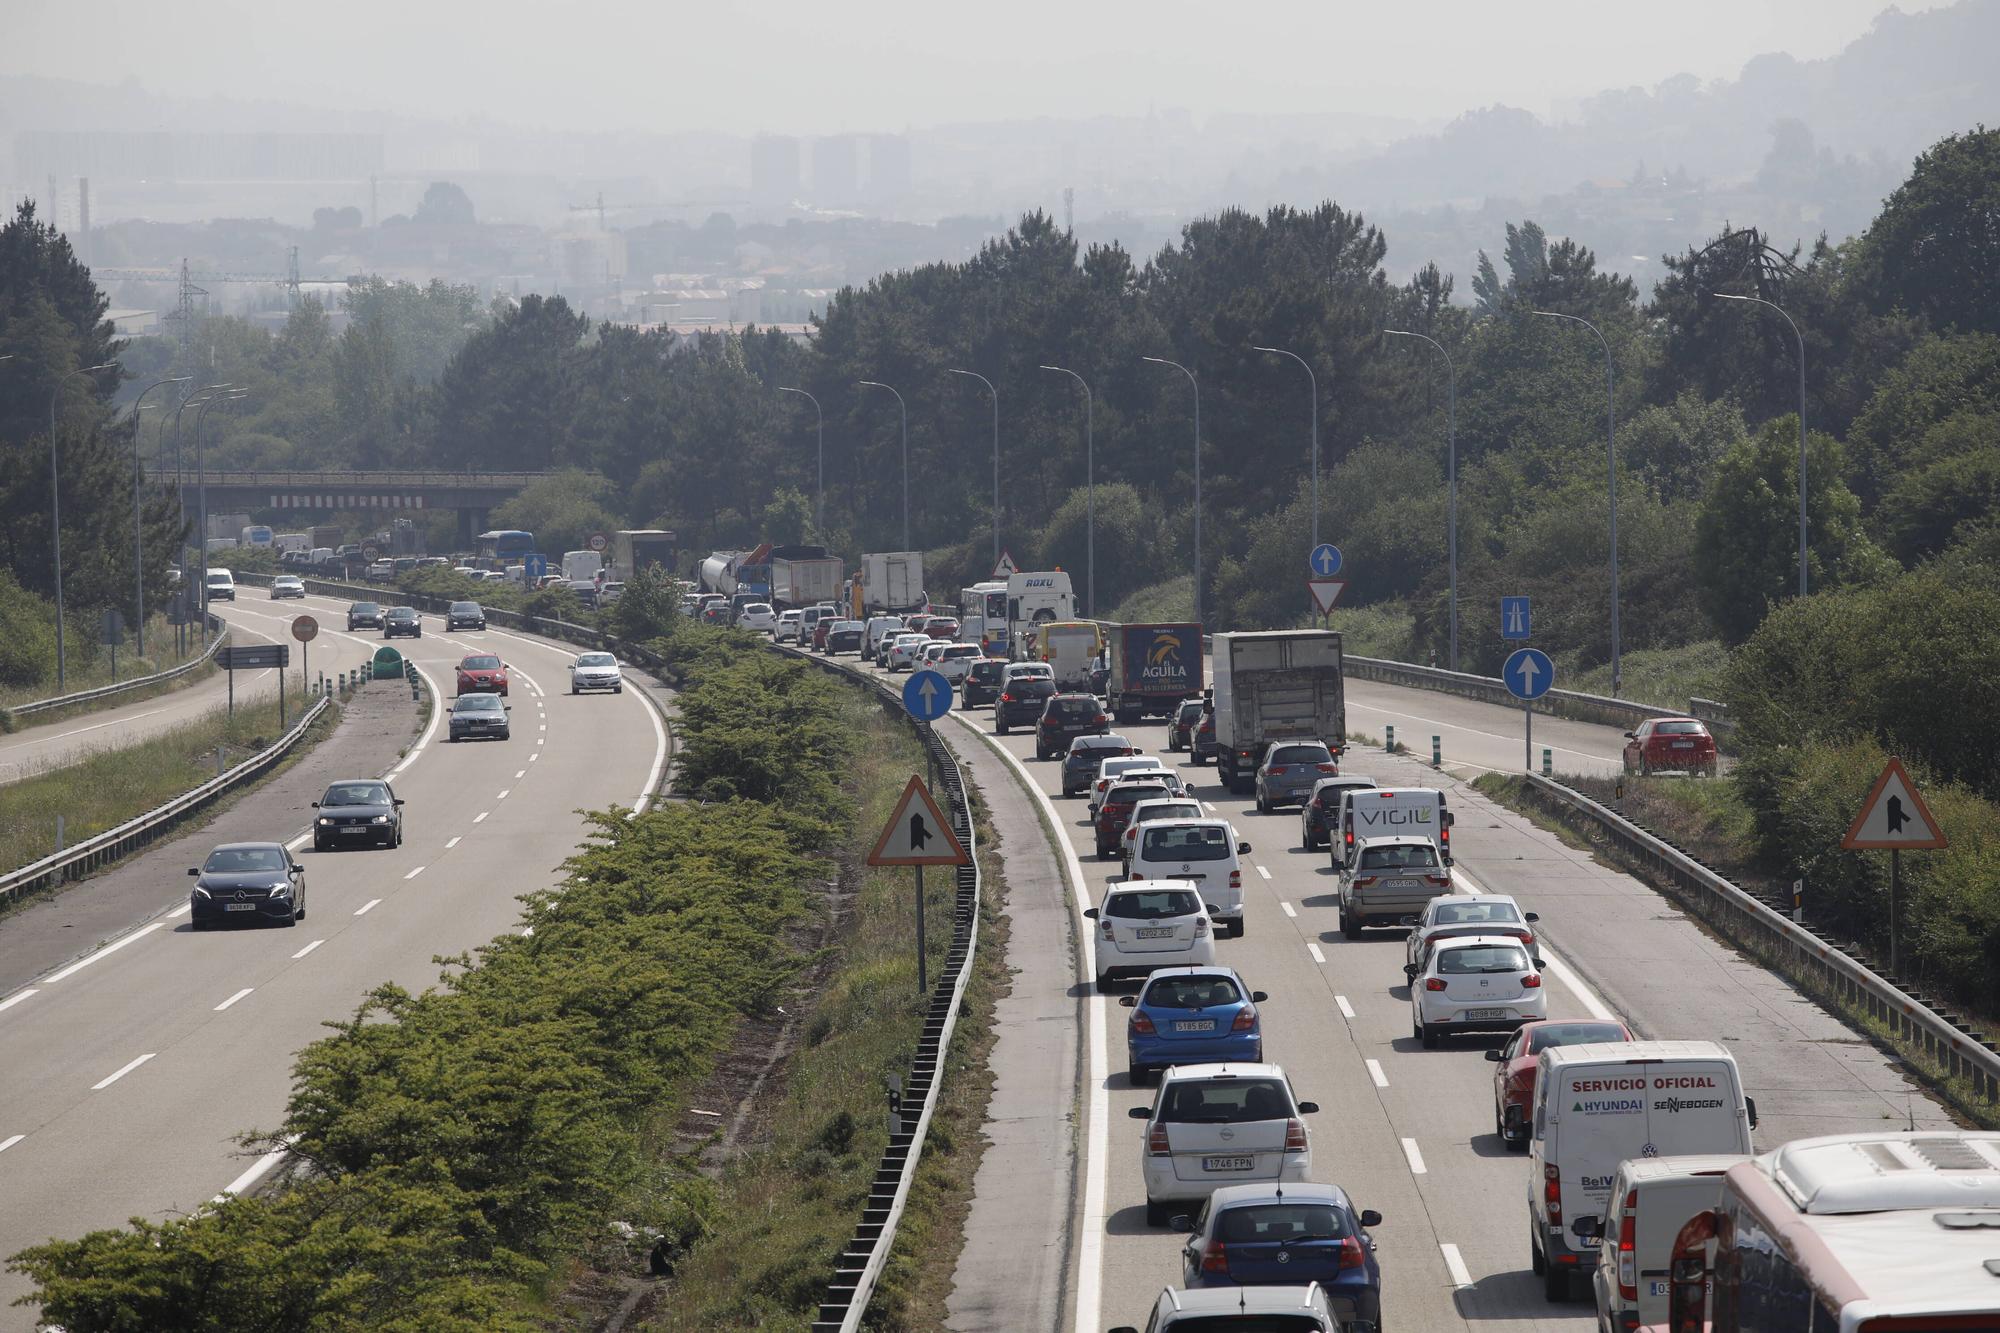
column 1528, row 675
column 1894, row 818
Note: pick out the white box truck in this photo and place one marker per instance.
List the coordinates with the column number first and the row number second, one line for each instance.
column 1274, row 685
column 581, row 566
column 892, row 581
column 805, row 576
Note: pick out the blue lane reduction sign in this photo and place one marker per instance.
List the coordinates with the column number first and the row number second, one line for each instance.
column 927, row 695
column 1325, row 560
column 1528, row 673
column 1516, row 621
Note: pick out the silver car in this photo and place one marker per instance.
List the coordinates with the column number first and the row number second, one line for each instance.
column 1290, row 771
column 595, row 671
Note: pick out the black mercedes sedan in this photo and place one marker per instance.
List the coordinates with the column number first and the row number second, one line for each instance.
column 250, row 881
column 402, row 620
column 364, row 615
column 464, row 615
column 358, row 813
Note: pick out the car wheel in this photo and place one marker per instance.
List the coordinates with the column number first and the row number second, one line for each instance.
column 572, row 689
column 1237, row 927
column 1349, row 929
column 999, row 726
column 291, row 919
column 1157, row 1214
column 1428, row 1036
column 1555, row 1282
column 1536, row 1260
column 318, row 846
column 1137, row 1075
column 618, row 689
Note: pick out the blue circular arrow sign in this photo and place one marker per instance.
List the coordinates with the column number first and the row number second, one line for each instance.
column 1324, row 560
column 1528, row 673
column 927, row 695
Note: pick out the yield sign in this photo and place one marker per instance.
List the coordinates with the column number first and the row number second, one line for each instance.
column 1005, row 567
column 1894, row 817
column 918, row 834
column 1326, row 592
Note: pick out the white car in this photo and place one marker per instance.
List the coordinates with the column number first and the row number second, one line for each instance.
column 1129, row 766
column 786, row 628
column 758, row 616
column 1469, row 914
column 1216, row 1125
column 880, row 630
column 1475, row 983
column 287, row 585
column 220, row 586
column 931, row 652
column 956, row 660
column 595, row 671
column 1203, row 852
column 1144, row 926
column 903, row 650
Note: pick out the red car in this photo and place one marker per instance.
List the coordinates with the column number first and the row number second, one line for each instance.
column 942, row 627
column 821, row 629
column 1670, row 744
column 482, row 673
column 1515, row 1063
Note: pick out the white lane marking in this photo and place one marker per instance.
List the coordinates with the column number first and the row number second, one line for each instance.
column 1454, row 1263
column 540, row 741
column 536, row 755
column 110, row 948
column 258, row 1170
column 1313, row 949
column 182, row 910
column 1375, row 1072
column 520, row 773
column 453, row 843
column 437, row 712
column 414, row 873
column 299, row 841
column 481, row 816
column 659, row 751
column 1346, row 1009
column 102, row 1084
column 365, row 906
column 1416, row 1158
column 1289, row 909
column 308, row 949
column 503, row 795
column 7, row 1143
column 17, row 997
column 234, row 998
column 543, row 725
column 1265, row 873
column 1208, row 806
column 95, row 726
column 1552, row 963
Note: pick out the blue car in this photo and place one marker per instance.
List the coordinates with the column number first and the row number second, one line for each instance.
column 1192, row 1016
column 1265, row 1235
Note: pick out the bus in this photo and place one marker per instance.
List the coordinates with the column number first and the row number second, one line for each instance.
column 1853, row 1233
column 506, row 545
column 982, row 616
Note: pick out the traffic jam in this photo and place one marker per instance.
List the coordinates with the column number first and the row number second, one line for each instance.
column 1637, row 1153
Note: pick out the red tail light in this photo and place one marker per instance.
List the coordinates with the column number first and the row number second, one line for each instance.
column 1687, row 1291
column 1351, row 1253
column 1215, row 1258
column 1441, row 881
column 1295, row 1135
column 1200, row 926
column 1246, row 1021
column 1142, row 1024
column 1552, row 1194
column 1156, row 1142
column 1533, row 981
column 1348, row 835
column 1276, row 769
column 1109, row 933
column 1628, row 1263
column 1235, row 879
column 1006, row 698
column 1103, row 718
column 1362, row 881
column 1329, row 768
column 1433, row 983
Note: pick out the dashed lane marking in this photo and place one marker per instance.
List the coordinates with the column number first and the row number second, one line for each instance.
column 308, row 949
column 1346, row 1009
column 1415, row 1156
column 1289, row 909
column 1313, row 949
column 453, row 843
column 481, row 816
column 363, row 909
column 414, row 873
column 1454, row 1263
column 7, row 1143
column 104, row 1083
column 1375, row 1072
column 234, row 998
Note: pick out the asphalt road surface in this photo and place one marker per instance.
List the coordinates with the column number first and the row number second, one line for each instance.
column 132, row 1066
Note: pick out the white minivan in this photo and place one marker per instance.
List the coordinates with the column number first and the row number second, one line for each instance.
column 1600, row 1104
column 1204, row 852
column 1651, row 1201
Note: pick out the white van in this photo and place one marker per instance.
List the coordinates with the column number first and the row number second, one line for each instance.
column 1204, row 851
column 1600, row 1104
column 879, row 628
column 1651, row 1200
column 1392, row 812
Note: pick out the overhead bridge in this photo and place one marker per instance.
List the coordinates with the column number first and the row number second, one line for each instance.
column 471, row 494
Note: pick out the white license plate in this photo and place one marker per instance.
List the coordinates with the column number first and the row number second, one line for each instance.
column 239, row 907
column 1228, row 1163
column 1156, row 932
column 1399, row 884
column 356, row 829
column 1656, row 1289
column 1683, row 745
column 1486, row 1013
column 1194, row 1027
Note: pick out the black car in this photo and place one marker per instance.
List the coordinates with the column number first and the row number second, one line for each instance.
column 478, row 715
column 1079, row 767
column 464, row 615
column 846, row 636
column 364, row 615
column 1064, row 718
column 253, row 881
column 982, row 682
column 1023, row 695
column 1180, row 727
column 402, row 620
column 358, row 812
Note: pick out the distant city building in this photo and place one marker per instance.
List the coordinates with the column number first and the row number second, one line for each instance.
column 888, row 171
column 166, row 155
column 836, row 181
column 774, row 172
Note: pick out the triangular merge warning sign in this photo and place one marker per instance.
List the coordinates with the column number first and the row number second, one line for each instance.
column 918, row 834
column 1326, row 592
column 1894, row 818
column 1004, row 568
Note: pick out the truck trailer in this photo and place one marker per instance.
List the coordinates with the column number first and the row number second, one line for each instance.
column 1274, row 685
column 1153, row 668
column 892, row 582
column 804, row 576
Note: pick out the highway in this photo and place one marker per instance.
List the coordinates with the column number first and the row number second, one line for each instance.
column 132, row 1067
column 1407, row 1131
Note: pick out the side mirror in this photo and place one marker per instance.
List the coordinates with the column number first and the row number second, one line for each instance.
column 1409, row 921
column 1258, row 997
column 1750, row 1104
column 1213, row 910
column 296, row 871
column 1539, row 964
column 1242, row 849
column 1531, row 916
column 506, row 708
column 1140, row 1113
column 1128, row 1001
column 1370, row 1218
column 315, row 805
column 1181, row 1222
column 397, row 800
column 1631, row 736
column 1090, row 912
column 1410, row 971
column 1587, row 1228
column 1494, row 1056
column 1308, row 1108
column 194, row 870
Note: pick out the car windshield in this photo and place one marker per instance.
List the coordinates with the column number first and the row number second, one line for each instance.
column 1186, row 992
column 402, row 613
column 1573, row 1034
column 596, row 660
column 237, row 860
column 1448, row 913
column 1301, row 754
column 1232, row 1101
column 465, row 608
column 1413, row 856
column 1475, row 958
column 480, row 663
column 960, row 651
column 1199, row 842
column 1034, row 673
column 1150, row 904
column 1280, row 1222
column 757, row 609
column 477, row 703
column 1680, row 729
column 1190, row 710
column 356, row 793
column 987, row 672
column 367, row 609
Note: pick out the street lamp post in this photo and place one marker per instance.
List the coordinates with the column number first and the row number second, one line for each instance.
column 819, row 495
column 996, row 455
column 1451, row 472
column 1312, row 382
column 201, row 485
column 55, row 503
column 1758, row 300
column 1089, row 490
column 1194, row 384
column 905, row 415
column 1611, row 462
column 138, row 526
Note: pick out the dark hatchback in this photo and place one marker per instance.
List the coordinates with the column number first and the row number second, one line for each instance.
column 1079, row 767
column 364, row 615
column 478, row 715
column 249, row 881
column 1066, row 717
column 1258, row 1235
column 401, row 620
column 1181, row 726
column 352, row 814
column 846, row 636
column 464, row 615
column 982, row 682
column 1022, row 698
column 1115, row 812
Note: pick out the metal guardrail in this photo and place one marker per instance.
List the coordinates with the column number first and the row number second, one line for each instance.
column 358, row 481
column 110, row 845
column 859, row 1267
column 218, row 632
column 1571, row 704
column 1953, row 1045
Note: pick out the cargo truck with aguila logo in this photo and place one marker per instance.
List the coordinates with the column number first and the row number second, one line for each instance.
column 1153, row 668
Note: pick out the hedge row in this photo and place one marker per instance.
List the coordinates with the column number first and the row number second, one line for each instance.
column 464, row 1144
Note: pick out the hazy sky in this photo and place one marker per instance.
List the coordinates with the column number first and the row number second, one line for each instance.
column 810, row 66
